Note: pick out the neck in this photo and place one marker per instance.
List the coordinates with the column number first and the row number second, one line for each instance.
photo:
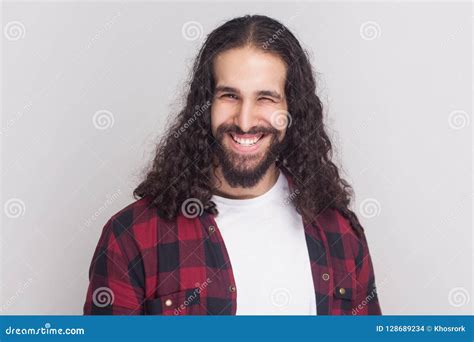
column 265, row 184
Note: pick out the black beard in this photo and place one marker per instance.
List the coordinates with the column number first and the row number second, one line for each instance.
column 246, row 177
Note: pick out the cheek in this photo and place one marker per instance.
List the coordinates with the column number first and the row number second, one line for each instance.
column 278, row 118
column 215, row 120
column 219, row 115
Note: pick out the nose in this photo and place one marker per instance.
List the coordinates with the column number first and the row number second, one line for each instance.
column 246, row 116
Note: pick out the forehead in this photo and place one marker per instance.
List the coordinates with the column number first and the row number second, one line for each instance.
column 248, row 68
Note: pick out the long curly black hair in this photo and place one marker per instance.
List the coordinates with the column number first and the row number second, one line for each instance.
column 184, row 159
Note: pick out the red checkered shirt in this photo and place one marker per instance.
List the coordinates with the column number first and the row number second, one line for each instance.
column 146, row 265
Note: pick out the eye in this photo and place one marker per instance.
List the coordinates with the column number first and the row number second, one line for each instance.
column 266, row 99
column 231, row 96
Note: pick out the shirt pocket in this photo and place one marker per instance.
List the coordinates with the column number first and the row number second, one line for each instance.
column 344, row 292
column 184, row 302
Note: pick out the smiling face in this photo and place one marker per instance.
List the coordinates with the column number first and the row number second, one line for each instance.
column 246, row 114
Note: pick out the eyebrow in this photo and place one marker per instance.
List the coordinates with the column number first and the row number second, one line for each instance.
column 228, row 89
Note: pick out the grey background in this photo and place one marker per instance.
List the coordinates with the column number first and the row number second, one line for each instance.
column 399, row 110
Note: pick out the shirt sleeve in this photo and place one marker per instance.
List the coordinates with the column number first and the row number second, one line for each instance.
column 366, row 301
column 113, row 289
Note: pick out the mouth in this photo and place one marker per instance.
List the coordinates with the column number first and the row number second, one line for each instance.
column 246, row 142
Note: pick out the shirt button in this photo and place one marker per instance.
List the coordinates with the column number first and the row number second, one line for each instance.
column 232, row 288
column 212, row 229
column 168, row 302
column 342, row 290
column 325, row 276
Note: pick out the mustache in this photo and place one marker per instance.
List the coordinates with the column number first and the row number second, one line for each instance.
column 254, row 130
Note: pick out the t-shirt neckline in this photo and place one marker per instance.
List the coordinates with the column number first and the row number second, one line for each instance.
column 272, row 193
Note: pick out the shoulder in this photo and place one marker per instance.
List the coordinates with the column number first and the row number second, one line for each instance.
column 340, row 232
column 137, row 224
column 133, row 214
column 333, row 221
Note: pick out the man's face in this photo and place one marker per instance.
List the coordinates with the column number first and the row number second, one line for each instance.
column 247, row 112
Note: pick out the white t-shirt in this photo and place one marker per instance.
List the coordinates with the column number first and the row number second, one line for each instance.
column 265, row 239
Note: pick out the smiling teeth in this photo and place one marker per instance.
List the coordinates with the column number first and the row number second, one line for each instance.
column 246, row 142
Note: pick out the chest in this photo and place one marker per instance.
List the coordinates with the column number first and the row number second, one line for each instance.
column 196, row 275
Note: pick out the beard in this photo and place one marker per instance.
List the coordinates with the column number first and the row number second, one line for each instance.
column 246, row 169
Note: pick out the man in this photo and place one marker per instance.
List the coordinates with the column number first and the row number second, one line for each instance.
column 243, row 211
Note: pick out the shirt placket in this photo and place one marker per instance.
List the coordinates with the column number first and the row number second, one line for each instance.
column 321, row 267
column 224, row 273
